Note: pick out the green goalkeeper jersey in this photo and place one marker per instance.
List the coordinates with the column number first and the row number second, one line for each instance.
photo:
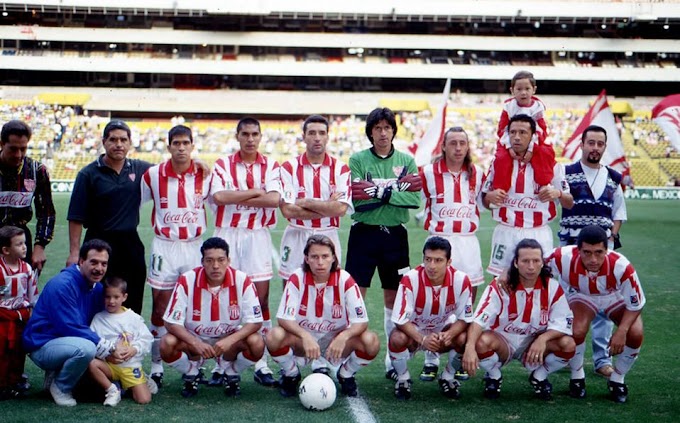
column 384, row 172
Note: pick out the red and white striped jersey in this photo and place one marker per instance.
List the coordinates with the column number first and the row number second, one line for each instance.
column 615, row 275
column 451, row 200
column 511, row 108
column 233, row 174
column 301, row 179
column 525, row 312
column 429, row 307
column 213, row 313
column 522, row 208
column 323, row 309
column 178, row 201
column 21, row 286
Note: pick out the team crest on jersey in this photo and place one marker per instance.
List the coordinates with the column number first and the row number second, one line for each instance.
column 290, row 311
column 234, row 312
column 397, row 170
column 468, row 310
column 544, row 317
column 336, row 311
column 177, row 316
column 485, row 317
column 634, row 300
column 359, row 311
column 132, row 177
column 29, row 184
column 570, row 321
column 256, row 310
column 198, row 200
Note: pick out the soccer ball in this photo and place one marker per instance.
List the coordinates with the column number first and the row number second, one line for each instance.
column 317, row 392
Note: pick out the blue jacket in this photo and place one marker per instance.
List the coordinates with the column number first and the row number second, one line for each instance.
column 65, row 307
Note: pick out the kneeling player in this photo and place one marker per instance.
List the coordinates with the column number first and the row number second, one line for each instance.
column 597, row 280
column 431, row 312
column 532, row 323
column 321, row 313
column 213, row 312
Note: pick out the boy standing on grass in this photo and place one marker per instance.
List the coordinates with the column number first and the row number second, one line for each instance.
column 127, row 330
column 18, row 294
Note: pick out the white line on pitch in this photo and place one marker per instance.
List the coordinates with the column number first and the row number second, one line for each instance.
column 360, row 411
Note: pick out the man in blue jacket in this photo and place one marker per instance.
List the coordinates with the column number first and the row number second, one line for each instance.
column 58, row 336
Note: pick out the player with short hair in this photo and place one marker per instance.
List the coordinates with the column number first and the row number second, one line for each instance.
column 526, row 209
column 18, row 295
column 532, row 322
column 246, row 190
column 321, row 313
column 213, row 312
column 178, row 189
column 431, row 313
column 600, row 280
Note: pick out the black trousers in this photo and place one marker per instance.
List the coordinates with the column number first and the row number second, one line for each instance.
column 127, row 261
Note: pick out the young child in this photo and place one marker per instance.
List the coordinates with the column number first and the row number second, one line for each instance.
column 127, row 329
column 18, row 294
column 540, row 154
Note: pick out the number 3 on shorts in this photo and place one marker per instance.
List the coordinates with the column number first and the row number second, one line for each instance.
column 286, row 253
column 498, row 252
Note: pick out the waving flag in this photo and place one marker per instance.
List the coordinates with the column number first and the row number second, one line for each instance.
column 430, row 144
column 666, row 114
column 600, row 114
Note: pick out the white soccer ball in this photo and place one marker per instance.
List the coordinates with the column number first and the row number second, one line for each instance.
column 317, row 392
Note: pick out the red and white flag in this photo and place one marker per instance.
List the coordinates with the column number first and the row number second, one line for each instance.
column 666, row 114
column 431, row 143
column 600, row 114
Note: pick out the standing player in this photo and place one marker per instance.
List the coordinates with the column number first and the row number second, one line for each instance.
column 598, row 200
column 385, row 185
column 213, row 313
column 322, row 313
column 452, row 187
column 178, row 190
column 247, row 190
column 532, row 323
column 315, row 195
column 431, row 313
column 600, row 281
column 525, row 210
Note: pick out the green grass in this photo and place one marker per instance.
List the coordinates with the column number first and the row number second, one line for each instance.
column 650, row 242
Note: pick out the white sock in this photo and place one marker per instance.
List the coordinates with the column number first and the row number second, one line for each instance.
column 431, row 358
column 182, row 364
column 237, row 366
column 112, row 388
column 389, row 326
column 262, row 363
column 156, row 362
column 352, row 364
column 400, row 363
column 492, row 365
column 576, row 363
column 287, row 363
column 452, row 365
column 624, row 362
column 551, row 364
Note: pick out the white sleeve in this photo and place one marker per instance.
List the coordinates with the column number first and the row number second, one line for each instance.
column 145, row 188
column 619, row 211
column 464, row 301
column 560, row 316
column 633, row 296
column 342, row 185
column 489, row 307
column 404, row 303
column 354, row 303
column 290, row 301
column 176, row 312
column 559, row 180
column 142, row 338
column 288, row 192
column 488, row 183
column 272, row 181
column 250, row 304
column 218, row 181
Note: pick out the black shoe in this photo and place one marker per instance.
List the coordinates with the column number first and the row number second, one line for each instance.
column 492, row 387
column 201, row 377
column 348, row 385
column 23, row 385
column 577, row 388
column 449, row 388
column 265, row 379
column 190, row 387
column 429, row 373
column 391, row 374
column 461, row 375
column 618, row 391
column 542, row 388
column 158, row 378
column 9, row 394
column 402, row 389
column 217, row 379
column 232, row 385
column 288, row 385
column 323, row 370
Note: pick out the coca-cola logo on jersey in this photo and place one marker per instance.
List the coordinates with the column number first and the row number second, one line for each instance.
column 520, row 330
column 15, row 199
column 521, row 203
column 463, row 212
column 431, row 323
column 213, row 331
column 13, row 303
column 186, row 217
column 323, row 326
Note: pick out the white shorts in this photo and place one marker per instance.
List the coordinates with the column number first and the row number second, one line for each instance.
column 598, row 303
column 324, row 340
column 169, row 259
column 466, row 255
column 505, row 239
column 293, row 245
column 250, row 251
column 516, row 344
